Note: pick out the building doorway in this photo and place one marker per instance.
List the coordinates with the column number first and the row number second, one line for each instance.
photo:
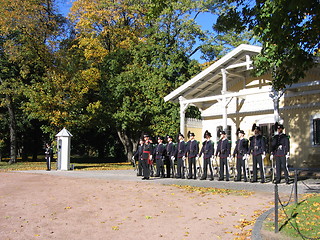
column 267, row 130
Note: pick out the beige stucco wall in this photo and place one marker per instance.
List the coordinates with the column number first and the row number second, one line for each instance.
column 298, row 112
column 197, row 132
column 299, row 126
column 195, row 126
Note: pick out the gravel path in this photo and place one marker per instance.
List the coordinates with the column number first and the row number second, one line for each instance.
column 119, row 205
column 306, row 186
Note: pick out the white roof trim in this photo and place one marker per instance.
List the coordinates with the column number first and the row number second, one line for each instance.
column 244, row 92
column 213, row 67
column 264, row 111
column 252, row 91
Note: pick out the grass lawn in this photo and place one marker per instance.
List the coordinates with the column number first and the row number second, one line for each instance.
column 21, row 166
column 299, row 219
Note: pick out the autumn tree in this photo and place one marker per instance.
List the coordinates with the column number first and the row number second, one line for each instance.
column 26, row 28
column 142, row 51
column 107, row 70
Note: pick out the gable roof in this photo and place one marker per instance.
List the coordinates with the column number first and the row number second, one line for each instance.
column 209, row 81
column 64, row 133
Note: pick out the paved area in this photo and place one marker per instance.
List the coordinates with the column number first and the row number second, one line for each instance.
column 304, row 186
column 263, row 193
column 75, row 205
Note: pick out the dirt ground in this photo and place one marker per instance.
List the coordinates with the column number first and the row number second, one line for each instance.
column 35, row 206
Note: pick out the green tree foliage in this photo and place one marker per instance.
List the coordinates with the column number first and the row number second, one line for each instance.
column 289, row 31
column 104, row 74
column 27, row 29
column 142, row 50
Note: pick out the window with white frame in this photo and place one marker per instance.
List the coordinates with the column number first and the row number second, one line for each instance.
column 316, row 130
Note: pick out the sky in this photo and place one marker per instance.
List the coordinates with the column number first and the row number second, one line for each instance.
column 64, row 6
column 205, row 20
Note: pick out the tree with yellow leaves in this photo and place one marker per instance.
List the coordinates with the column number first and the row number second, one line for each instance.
column 112, row 70
column 26, row 31
column 104, row 26
column 142, row 50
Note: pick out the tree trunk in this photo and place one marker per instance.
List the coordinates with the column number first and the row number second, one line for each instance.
column 276, row 95
column 13, row 132
column 128, row 143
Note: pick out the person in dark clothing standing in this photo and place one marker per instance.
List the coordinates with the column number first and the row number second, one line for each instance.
column 138, row 157
column 48, row 156
column 258, row 151
column 207, row 150
column 192, row 151
column 281, row 152
column 169, row 159
column 223, row 151
column 159, row 154
column 241, row 151
column 147, row 151
column 181, row 152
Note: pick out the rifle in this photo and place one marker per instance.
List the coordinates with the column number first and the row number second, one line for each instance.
column 272, row 168
column 216, row 167
column 233, row 168
column 185, row 168
column 246, row 159
column 199, row 168
column 211, row 164
column 162, row 166
column 152, row 170
column 133, row 161
column 172, row 166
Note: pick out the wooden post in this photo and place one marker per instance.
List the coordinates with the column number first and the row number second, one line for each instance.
column 183, row 109
column 224, row 99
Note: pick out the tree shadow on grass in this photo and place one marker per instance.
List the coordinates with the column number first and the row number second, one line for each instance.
column 288, row 220
column 294, row 214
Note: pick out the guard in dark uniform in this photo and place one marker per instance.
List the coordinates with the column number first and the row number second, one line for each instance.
column 181, row 152
column 192, row 152
column 207, row 150
column 152, row 161
column 147, row 150
column 138, row 156
column 281, row 152
column 170, row 157
column 223, row 151
column 159, row 154
column 258, row 150
column 241, row 151
column 48, row 156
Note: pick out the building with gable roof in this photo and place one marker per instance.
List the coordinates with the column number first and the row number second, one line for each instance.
column 230, row 97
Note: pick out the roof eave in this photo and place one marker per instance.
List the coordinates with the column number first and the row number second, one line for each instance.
column 173, row 96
